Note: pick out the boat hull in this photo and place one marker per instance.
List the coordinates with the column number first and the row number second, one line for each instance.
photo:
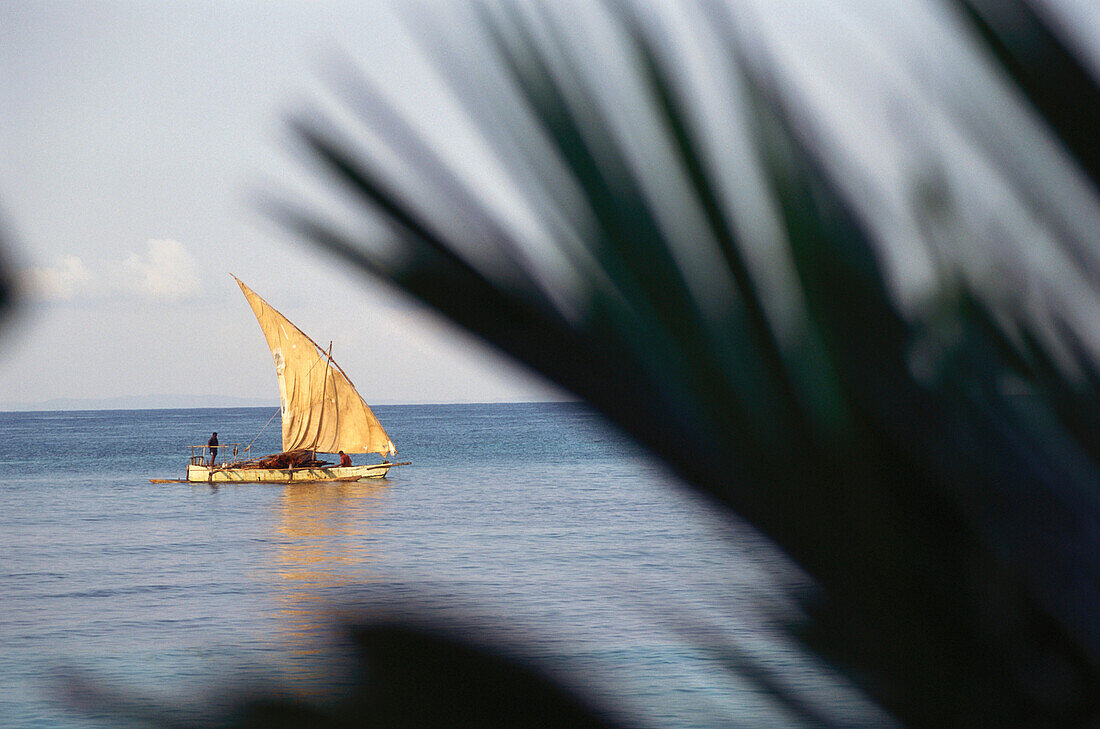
column 220, row 474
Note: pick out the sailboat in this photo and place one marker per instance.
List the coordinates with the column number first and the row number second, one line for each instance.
column 321, row 413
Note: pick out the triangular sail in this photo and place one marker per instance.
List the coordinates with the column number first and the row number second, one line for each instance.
column 321, row 409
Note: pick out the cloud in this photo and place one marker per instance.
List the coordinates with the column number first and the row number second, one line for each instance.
column 164, row 271
column 57, row 283
column 167, row 271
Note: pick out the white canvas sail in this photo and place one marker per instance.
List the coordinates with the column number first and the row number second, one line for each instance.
column 321, row 409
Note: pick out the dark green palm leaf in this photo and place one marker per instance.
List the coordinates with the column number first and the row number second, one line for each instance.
column 924, row 447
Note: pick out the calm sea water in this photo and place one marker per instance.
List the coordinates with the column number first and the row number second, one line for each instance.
column 532, row 526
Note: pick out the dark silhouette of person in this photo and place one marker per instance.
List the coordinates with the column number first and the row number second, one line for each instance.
column 213, row 443
column 345, row 459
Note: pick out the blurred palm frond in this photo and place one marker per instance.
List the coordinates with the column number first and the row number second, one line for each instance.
column 837, row 265
column 8, row 288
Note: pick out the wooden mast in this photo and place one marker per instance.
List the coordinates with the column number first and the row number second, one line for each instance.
column 324, row 381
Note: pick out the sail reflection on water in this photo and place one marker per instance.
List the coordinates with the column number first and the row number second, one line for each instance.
column 327, row 537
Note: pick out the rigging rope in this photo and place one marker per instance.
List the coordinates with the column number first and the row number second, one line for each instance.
column 249, row 448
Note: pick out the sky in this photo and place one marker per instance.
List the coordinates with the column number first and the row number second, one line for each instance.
column 134, row 140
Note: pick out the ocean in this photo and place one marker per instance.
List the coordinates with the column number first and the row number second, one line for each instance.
column 535, row 528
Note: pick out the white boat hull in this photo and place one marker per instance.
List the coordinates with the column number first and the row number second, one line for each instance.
column 224, row 474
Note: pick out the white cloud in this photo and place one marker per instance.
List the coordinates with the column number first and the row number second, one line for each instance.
column 57, row 283
column 166, row 271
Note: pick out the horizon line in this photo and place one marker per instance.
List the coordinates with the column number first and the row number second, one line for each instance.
column 61, row 408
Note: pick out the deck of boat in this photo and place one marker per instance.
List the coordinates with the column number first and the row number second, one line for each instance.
column 223, row 474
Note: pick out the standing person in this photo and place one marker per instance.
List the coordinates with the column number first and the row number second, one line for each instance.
column 345, row 459
column 213, row 443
